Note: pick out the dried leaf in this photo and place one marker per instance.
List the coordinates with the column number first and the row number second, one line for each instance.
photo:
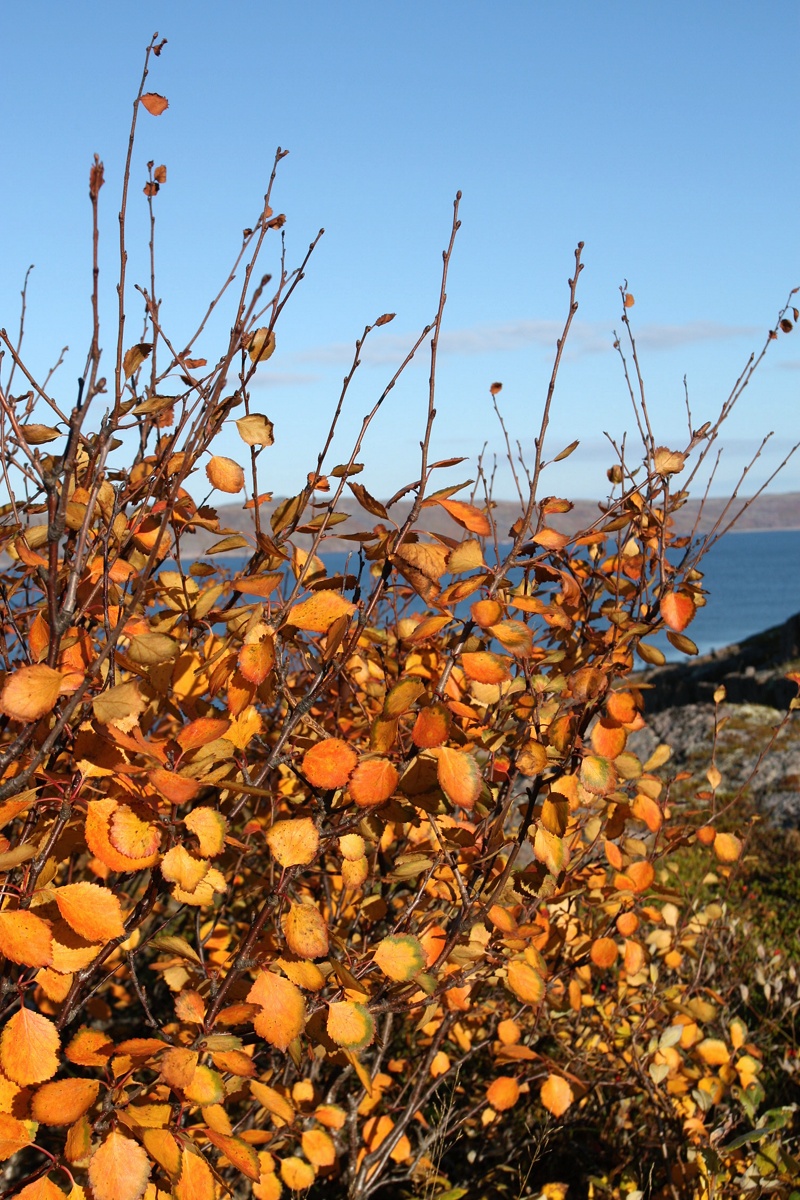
column 224, row 474
column 256, row 430
column 135, row 357
column 261, row 345
column 677, row 609
column 155, row 105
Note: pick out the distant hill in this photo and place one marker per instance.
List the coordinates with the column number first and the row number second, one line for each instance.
column 768, row 512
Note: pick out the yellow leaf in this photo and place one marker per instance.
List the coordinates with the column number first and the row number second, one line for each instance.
column 120, row 706
column 400, row 956
column 256, row 430
column 135, row 356
column 296, row 1174
column 459, row 776
column 14, row 1135
column 294, row 842
column 196, row 1181
column 305, row 931
column 350, row 1024
column 713, row 1052
column 318, row 612
column 64, row 1101
column 25, row 938
column 260, row 347
column 526, row 984
column 727, row 847
column 209, row 827
column 668, row 462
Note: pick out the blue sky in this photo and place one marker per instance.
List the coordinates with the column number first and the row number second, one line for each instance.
column 663, row 136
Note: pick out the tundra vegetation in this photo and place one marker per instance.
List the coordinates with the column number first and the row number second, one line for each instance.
column 353, row 883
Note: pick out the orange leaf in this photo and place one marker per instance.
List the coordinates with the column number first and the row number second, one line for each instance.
column 201, row 732
column 30, row 692
column 25, row 938
column 318, row 1147
column 294, row 842
column 181, row 867
column 132, row 836
column 727, row 847
column 272, row 1101
column 29, row 1048
column 608, row 738
column 503, row 1093
column 350, row 1025
column 64, row 1101
column 400, row 956
column 42, row 1189
column 196, row 1181
column 486, row 613
column 14, row 1135
column 427, row 629
column 305, row 931
column 516, row 636
column 224, row 474
column 432, row 726
column 154, row 103
column 237, row 1152
column 402, row 696
column 604, row 952
column 677, row 610
column 373, row 782
column 556, row 1095
column 526, row 984
column 459, row 776
column 296, row 1174
column 257, row 660
column 99, row 814
column 283, row 1010
column 467, row 516
column 532, row 759
column 551, row 539
column 90, row 1048
column 178, row 789
column 485, row 667
column 119, row 1169
column 92, row 911
column 317, row 614
column 622, row 707
column 329, row 763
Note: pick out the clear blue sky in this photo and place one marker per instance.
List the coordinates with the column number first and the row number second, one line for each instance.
column 662, row 135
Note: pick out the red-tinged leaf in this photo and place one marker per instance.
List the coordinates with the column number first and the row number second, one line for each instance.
column 556, row 1095
column 25, row 938
column 677, row 610
column 329, row 763
column 201, row 732
column 224, row 474
column 515, row 636
column 30, row 692
column 196, row 1180
column 317, row 614
column 432, row 726
column 283, row 1010
column 459, row 776
column 243, row 1157
column 257, row 660
column 467, row 516
column 155, row 105
column 485, row 667
column 295, row 842
column 119, row 1169
column 64, row 1101
column 373, row 782
column 92, row 911
column 400, row 956
column 305, row 931
column 350, row 1025
column 178, row 789
column 29, row 1047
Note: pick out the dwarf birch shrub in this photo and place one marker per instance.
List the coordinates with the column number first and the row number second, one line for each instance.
column 288, row 855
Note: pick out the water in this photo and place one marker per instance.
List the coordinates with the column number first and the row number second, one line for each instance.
column 752, row 580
